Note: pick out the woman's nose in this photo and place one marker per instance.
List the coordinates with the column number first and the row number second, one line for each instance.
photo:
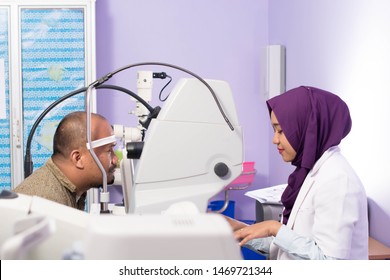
column 275, row 139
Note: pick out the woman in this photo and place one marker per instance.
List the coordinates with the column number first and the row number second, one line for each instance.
column 325, row 205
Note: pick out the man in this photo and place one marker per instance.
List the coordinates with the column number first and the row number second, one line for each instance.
column 71, row 170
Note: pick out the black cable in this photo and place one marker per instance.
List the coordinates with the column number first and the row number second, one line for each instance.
column 109, row 75
column 159, row 96
column 28, row 164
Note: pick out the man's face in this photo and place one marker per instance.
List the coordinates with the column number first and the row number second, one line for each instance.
column 108, row 159
column 106, row 155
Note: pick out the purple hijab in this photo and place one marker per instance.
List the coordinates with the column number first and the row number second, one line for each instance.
column 313, row 120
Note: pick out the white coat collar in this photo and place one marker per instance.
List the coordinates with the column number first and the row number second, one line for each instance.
column 306, row 186
column 322, row 159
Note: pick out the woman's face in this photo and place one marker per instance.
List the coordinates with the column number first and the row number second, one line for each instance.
column 285, row 149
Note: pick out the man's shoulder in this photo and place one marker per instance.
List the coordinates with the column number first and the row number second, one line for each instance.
column 36, row 181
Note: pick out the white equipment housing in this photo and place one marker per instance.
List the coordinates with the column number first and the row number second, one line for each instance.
column 183, row 146
column 169, row 237
column 36, row 228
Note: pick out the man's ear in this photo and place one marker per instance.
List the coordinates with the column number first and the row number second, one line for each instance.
column 77, row 158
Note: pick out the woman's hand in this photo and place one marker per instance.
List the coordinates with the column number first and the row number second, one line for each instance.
column 259, row 230
column 235, row 224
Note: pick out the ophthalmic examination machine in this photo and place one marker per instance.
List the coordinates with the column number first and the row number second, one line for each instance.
column 188, row 151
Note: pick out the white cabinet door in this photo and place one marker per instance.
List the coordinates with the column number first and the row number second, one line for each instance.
column 5, row 146
column 48, row 51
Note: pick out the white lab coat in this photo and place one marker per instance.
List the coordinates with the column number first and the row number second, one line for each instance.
column 331, row 210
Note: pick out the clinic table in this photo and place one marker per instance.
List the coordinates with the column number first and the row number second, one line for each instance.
column 377, row 250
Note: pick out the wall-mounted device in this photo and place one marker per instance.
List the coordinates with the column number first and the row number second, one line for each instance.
column 274, row 70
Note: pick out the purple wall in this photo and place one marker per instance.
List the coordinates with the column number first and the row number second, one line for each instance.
column 341, row 46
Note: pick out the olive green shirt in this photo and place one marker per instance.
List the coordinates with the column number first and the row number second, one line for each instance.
column 50, row 183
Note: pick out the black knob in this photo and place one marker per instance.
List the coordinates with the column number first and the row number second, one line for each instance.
column 221, row 169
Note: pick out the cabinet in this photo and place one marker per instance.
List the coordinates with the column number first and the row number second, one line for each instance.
column 47, row 49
